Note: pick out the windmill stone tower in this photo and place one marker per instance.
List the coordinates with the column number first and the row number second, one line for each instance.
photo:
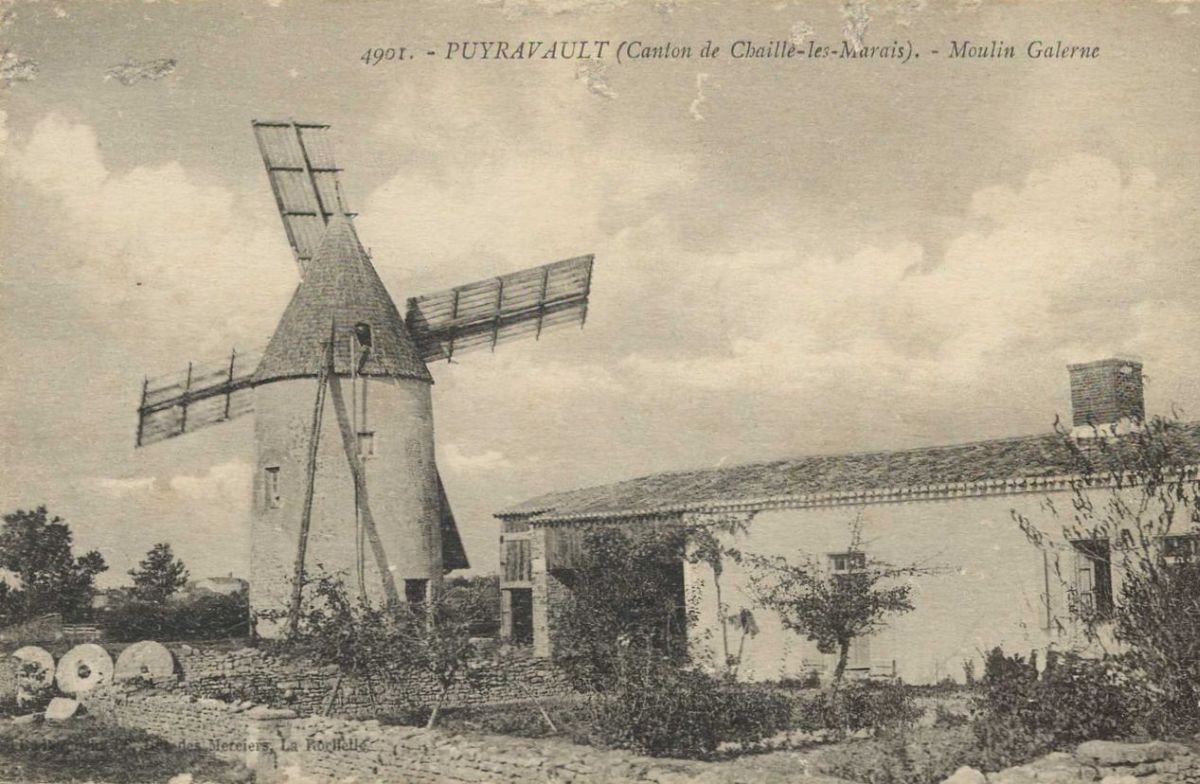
column 382, row 398
column 345, row 474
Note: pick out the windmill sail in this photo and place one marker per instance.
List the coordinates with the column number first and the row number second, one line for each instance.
column 202, row 395
column 489, row 312
column 304, row 178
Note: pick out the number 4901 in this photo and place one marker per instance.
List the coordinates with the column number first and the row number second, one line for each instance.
column 381, row 55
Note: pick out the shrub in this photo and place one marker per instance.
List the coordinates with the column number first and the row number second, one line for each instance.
column 204, row 617
column 927, row 756
column 884, row 707
column 659, row 709
column 1021, row 715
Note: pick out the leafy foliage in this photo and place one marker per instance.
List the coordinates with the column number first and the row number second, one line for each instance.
column 926, row 756
column 884, row 707
column 1138, row 493
column 37, row 549
column 380, row 643
column 833, row 610
column 626, row 598
column 202, row 617
column 1022, row 714
column 486, row 588
column 658, row 708
column 159, row 575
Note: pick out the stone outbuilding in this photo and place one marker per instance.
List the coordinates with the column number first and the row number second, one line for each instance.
column 949, row 507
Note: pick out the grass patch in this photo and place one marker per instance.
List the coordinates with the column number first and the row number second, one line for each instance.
column 85, row 749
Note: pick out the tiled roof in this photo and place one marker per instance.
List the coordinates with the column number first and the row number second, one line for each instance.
column 865, row 476
column 340, row 289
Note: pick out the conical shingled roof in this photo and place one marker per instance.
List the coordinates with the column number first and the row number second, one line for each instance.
column 340, row 289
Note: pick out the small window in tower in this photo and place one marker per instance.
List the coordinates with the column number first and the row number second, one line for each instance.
column 366, row 443
column 274, row 499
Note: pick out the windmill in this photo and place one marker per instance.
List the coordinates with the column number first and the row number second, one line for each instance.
column 345, row 474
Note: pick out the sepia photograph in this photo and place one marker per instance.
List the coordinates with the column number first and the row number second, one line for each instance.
column 600, row 391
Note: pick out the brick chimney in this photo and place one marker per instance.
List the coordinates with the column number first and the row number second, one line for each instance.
column 1106, row 394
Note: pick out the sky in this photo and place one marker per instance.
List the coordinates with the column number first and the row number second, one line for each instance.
column 792, row 257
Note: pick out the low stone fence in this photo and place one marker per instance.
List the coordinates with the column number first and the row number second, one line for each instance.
column 279, row 746
column 1107, row 762
column 251, row 674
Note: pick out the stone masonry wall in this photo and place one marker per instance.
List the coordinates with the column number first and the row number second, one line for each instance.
column 279, row 745
column 250, row 674
column 1106, row 762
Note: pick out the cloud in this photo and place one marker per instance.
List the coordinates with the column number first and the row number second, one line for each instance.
column 134, row 71
column 195, row 269
column 122, row 488
column 224, row 484
column 1081, row 259
column 456, row 459
column 15, row 69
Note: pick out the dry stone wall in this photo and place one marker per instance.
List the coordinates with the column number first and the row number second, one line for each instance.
column 278, row 745
column 251, row 674
column 1107, row 762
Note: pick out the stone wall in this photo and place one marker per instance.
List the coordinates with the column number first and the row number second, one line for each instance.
column 279, row 745
column 251, row 674
column 1107, row 762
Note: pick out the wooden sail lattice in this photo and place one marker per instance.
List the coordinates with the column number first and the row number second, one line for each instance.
column 304, row 178
column 201, row 395
column 493, row 311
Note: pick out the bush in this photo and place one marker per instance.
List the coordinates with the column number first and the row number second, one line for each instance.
column 884, row 707
column 658, row 709
column 1021, row 715
column 205, row 617
column 927, row 756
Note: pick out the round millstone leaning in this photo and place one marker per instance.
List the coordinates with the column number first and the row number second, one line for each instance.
column 83, row 668
column 146, row 659
column 32, row 654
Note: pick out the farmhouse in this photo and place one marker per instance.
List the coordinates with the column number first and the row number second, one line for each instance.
column 948, row 507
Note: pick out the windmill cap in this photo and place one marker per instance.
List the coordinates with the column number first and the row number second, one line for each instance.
column 340, row 291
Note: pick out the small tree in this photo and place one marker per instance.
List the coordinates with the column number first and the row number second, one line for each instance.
column 435, row 638
column 833, row 609
column 37, row 549
column 159, row 574
column 335, row 629
column 368, row 642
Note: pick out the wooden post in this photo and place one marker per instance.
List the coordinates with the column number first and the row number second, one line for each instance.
column 184, row 405
column 142, row 409
column 496, row 313
column 229, row 389
column 314, row 441
column 453, row 315
column 542, row 302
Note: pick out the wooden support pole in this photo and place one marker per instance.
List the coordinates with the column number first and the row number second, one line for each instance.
column 314, row 441
column 142, row 409
column 229, row 391
column 184, row 405
column 350, row 446
column 453, row 315
column 542, row 302
column 496, row 313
